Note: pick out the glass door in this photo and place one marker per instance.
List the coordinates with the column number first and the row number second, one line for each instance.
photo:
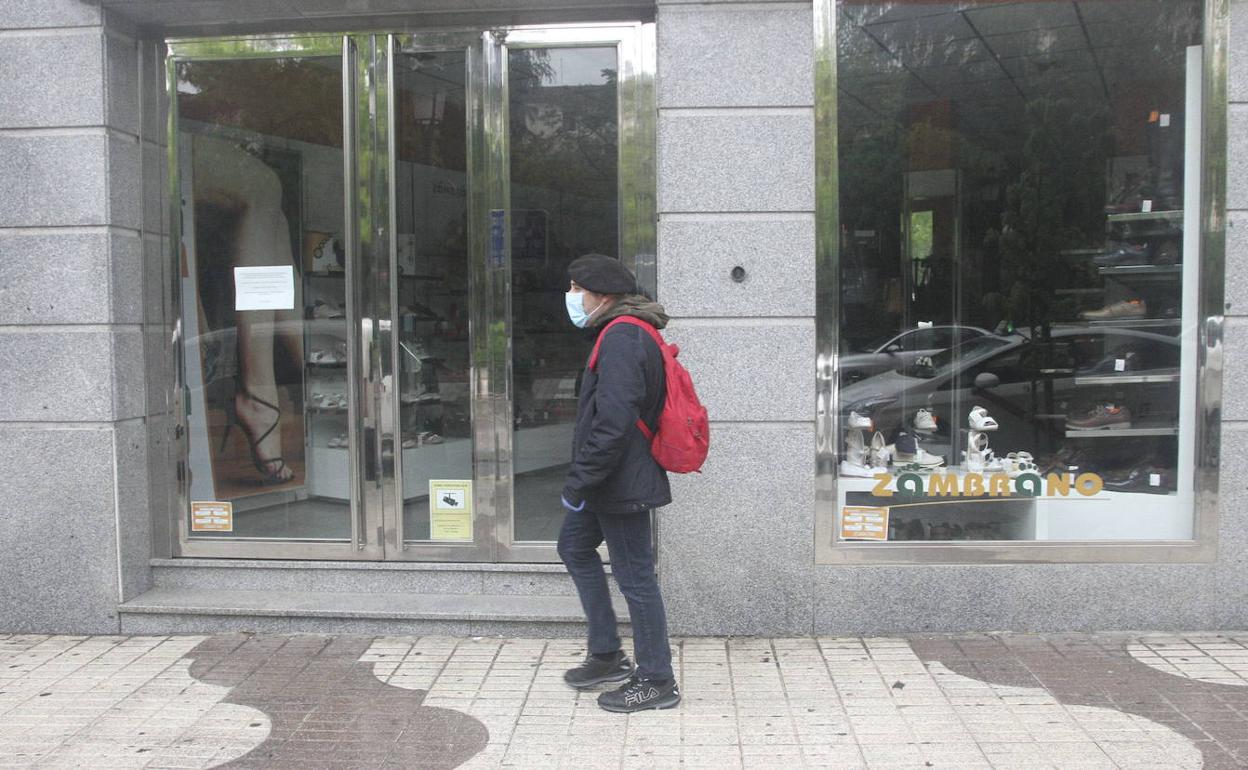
column 508, row 152
column 268, row 281
column 375, row 229
column 580, row 135
column 439, row 449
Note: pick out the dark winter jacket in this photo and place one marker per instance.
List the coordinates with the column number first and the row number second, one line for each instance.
column 612, row 469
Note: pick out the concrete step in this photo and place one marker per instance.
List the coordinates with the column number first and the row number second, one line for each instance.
column 364, row 577
column 198, row 610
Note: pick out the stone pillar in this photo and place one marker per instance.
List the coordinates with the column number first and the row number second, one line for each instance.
column 73, row 442
column 736, row 189
column 1232, row 568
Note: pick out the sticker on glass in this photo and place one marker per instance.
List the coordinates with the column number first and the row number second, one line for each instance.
column 863, row 522
column 212, row 516
column 450, row 510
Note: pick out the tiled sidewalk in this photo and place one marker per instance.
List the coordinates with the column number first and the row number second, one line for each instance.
column 308, row 702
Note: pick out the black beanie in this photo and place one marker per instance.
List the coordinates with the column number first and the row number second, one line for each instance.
column 602, row 275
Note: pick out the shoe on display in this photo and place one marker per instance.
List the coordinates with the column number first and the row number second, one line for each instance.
column 339, row 442
column 1102, row 417
column 925, row 421
column 1016, row 464
column 1127, row 308
column 1115, row 363
column 980, row 420
column 324, row 309
column 1167, row 254
column 641, row 695
column 879, row 455
column 599, row 670
column 906, row 451
column 979, row 458
column 1146, row 477
column 855, row 449
column 859, row 471
column 1125, row 254
column 858, row 422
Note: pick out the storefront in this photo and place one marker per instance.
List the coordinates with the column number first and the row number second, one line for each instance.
column 323, row 262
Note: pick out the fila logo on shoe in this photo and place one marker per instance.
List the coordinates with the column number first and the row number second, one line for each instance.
column 638, row 697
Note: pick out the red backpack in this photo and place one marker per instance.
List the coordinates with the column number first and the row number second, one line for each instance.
column 684, row 435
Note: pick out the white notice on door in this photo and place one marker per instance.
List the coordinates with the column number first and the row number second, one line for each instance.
column 264, row 288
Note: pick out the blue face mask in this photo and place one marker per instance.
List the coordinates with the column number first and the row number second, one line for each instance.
column 575, row 301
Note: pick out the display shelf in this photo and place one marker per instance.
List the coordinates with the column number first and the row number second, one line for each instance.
column 327, row 410
column 1127, row 323
column 318, row 365
column 342, row 274
column 1141, row 270
column 1147, row 216
column 1129, row 378
column 1144, row 427
column 1081, row 252
column 1136, row 323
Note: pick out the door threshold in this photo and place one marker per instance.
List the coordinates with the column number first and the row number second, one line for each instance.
column 407, row 566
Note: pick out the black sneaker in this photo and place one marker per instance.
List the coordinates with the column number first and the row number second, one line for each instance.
column 594, row 671
column 640, row 695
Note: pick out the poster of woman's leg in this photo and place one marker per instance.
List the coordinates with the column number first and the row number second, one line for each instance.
column 255, row 422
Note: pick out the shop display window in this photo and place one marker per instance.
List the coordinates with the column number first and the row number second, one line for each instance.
column 1019, row 201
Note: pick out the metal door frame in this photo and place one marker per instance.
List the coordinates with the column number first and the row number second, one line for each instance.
column 636, row 117
column 372, row 268
column 365, row 512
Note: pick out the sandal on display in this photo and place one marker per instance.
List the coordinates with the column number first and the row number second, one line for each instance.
column 855, row 449
column 855, row 464
column 1018, row 463
column 878, row 456
column 272, row 469
column 980, row 420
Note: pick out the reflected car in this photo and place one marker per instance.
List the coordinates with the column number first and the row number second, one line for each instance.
column 1027, row 387
column 900, row 349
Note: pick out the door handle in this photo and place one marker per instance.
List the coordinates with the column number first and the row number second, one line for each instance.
column 366, row 347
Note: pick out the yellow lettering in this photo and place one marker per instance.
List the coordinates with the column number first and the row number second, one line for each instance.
column 1059, row 484
column 1089, row 484
column 973, row 486
column 943, row 486
column 999, row 485
column 882, row 480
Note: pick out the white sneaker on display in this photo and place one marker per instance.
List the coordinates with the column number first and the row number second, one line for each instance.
column 858, row 421
column 856, row 471
column 921, row 457
column 908, row 452
column 979, row 419
column 925, row 421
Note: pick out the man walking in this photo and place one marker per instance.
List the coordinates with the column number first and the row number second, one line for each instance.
column 613, row 484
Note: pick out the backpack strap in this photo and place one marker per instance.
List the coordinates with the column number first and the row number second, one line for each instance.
column 654, row 335
column 624, row 319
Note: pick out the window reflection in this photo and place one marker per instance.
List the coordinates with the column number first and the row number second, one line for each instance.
column 564, row 154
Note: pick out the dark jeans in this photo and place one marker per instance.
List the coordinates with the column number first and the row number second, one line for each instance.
column 630, row 544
